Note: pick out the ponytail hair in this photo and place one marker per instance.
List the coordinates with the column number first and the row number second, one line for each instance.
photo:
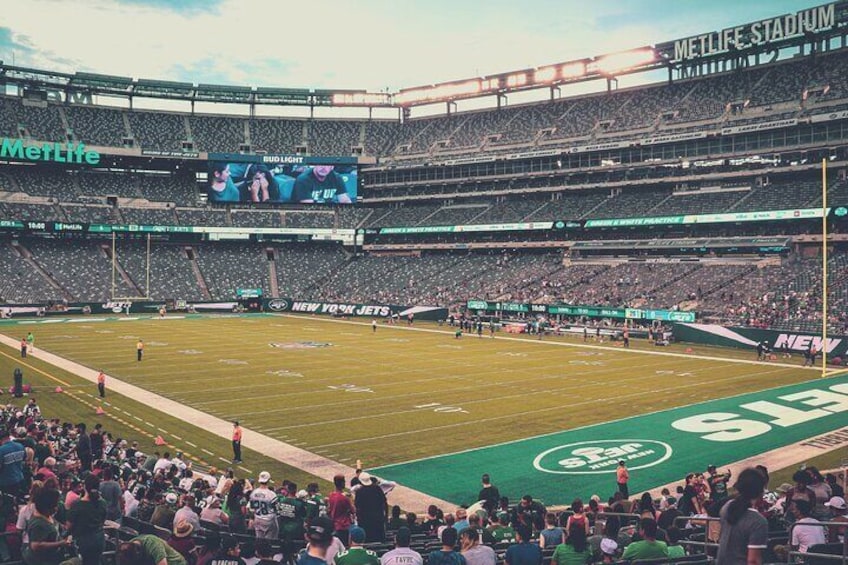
column 749, row 485
column 92, row 487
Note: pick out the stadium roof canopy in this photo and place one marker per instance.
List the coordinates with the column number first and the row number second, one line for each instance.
column 803, row 32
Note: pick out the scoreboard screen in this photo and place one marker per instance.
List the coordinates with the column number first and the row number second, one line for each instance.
column 253, row 181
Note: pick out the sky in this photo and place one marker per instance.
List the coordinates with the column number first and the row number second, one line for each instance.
column 346, row 44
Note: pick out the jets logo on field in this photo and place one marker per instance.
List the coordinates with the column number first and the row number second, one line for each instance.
column 300, row 345
column 278, row 305
column 602, row 456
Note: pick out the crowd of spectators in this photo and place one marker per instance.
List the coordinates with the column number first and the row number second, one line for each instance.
column 780, row 294
column 74, row 491
column 795, row 87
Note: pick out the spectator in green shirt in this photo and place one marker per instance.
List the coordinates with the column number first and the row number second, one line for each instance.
column 356, row 554
column 648, row 547
column 503, row 532
column 44, row 547
column 575, row 550
column 674, row 547
column 147, row 549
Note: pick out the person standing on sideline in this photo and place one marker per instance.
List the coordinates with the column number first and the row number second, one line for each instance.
column 626, row 337
column 622, row 475
column 374, row 326
column 24, row 346
column 236, row 442
column 101, row 384
column 139, row 350
column 31, row 342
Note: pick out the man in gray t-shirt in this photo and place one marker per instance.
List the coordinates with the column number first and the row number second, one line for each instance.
column 750, row 532
column 112, row 493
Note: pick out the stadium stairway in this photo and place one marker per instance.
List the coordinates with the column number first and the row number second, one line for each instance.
column 26, row 255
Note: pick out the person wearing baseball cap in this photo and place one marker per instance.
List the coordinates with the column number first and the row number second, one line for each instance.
column 356, row 554
column 212, row 512
column 163, row 515
column 839, row 509
column 318, row 537
column 503, row 532
column 263, row 502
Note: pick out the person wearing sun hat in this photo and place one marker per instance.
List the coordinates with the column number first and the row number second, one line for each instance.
column 181, row 538
column 371, row 508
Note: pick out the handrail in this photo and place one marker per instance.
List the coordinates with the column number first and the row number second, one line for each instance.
column 826, row 556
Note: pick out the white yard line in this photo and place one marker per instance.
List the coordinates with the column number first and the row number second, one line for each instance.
column 270, row 447
column 566, row 344
column 571, row 405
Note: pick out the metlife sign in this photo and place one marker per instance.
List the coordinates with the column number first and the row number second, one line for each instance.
column 71, row 153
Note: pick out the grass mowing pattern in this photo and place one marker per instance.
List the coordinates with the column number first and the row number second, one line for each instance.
column 393, row 395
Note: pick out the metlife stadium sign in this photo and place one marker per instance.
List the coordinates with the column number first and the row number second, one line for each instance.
column 759, row 33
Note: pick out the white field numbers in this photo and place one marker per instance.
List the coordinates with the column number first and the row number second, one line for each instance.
column 442, row 409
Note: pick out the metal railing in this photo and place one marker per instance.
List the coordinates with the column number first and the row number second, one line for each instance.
column 818, row 557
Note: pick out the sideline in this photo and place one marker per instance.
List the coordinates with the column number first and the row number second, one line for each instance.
column 283, row 452
column 576, row 345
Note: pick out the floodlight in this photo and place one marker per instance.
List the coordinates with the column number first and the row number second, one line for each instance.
column 518, row 79
column 573, row 70
column 617, row 62
column 360, row 99
column 545, row 74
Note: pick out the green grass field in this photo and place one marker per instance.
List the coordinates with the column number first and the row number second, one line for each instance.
column 337, row 389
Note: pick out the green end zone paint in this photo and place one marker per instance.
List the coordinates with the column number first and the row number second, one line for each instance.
column 659, row 448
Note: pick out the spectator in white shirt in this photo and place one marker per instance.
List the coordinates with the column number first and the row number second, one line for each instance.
column 163, row 464
column 807, row 531
column 187, row 513
column 402, row 554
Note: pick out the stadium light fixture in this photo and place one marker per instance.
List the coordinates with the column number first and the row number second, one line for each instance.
column 618, row 62
column 360, row 99
column 516, row 80
column 545, row 74
column 438, row 92
column 573, row 70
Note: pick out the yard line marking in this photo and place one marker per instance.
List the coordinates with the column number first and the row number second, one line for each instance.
column 189, row 443
column 176, row 437
column 206, row 451
column 224, row 460
column 246, row 470
column 475, row 421
column 566, row 344
column 477, row 386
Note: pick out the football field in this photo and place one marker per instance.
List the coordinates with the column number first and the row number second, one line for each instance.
column 338, row 389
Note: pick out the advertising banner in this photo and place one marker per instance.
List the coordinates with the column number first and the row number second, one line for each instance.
column 748, row 338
